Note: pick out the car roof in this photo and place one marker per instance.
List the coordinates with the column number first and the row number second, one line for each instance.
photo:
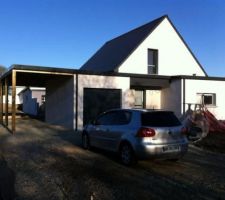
column 138, row 110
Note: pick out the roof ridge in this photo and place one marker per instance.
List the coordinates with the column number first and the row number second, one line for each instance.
column 139, row 27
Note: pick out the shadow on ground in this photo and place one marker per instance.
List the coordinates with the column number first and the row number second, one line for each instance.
column 50, row 164
column 7, row 181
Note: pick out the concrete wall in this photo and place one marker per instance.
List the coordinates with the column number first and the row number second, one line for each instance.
column 60, row 101
column 173, row 56
column 207, row 86
column 61, row 96
column 171, row 97
column 110, row 82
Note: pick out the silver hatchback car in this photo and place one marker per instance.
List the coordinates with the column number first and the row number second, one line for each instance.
column 137, row 134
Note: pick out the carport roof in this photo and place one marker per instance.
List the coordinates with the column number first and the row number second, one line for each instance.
column 36, row 76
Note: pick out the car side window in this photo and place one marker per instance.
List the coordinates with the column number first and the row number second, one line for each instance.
column 105, row 119
column 122, row 118
column 115, row 118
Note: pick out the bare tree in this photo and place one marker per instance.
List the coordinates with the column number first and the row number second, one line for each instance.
column 2, row 69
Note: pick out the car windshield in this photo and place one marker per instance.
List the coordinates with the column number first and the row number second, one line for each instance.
column 159, row 119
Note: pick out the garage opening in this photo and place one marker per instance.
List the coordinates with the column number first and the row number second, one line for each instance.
column 97, row 101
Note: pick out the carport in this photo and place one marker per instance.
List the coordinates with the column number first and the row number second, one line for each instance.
column 24, row 75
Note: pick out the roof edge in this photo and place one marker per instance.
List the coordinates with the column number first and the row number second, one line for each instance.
column 209, row 78
column 189, row 49
column 37, row 68
column 116, row 68
column 40, row 68
column 139, row 27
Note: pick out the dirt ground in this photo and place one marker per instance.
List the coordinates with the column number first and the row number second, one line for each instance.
column 46, row 162
column 214, row 141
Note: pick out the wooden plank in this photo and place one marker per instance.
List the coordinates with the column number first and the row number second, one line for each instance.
column 1, row 103
column 44, row 72
column 6, row 103
column 13, row 101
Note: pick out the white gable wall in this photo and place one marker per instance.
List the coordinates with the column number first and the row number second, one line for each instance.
column 173, row 56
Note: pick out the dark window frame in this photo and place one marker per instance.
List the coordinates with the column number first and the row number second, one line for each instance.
column 143, row 105
column 155, row 61
column 203, row 95
column 43, row 98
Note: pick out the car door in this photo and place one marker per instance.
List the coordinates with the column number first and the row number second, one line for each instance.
column 98, row 136
column 114, row 131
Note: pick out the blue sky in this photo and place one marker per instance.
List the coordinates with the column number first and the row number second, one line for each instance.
column 65, row 33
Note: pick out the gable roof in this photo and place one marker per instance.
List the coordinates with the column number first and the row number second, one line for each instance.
column 114, row 52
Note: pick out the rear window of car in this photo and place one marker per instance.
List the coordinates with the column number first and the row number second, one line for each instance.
column 159, row 119
column 115, row 118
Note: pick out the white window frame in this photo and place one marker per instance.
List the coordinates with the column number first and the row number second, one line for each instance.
column 202, row 95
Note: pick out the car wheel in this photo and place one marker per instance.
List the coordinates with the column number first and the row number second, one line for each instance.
column 85, row 141
column 127, row 155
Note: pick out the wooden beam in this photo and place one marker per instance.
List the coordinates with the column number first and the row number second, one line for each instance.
column 6, row 102
column 1, row 103
column 13, row 101
column 44, row 72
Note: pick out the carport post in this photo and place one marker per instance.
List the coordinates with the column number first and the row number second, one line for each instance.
column 13, row 101
column 1, row 103
column 6, row 102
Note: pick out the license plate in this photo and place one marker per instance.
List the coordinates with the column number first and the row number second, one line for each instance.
column 172, row 148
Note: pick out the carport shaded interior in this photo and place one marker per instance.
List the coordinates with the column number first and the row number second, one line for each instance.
column 34, row 79
column 28, row 76
column 35, row 76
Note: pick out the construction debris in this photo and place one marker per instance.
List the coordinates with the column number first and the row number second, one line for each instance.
column 199, row 122
column 196, row 124
column 215, row 125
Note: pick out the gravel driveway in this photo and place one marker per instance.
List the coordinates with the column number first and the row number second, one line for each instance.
column 46, row 162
